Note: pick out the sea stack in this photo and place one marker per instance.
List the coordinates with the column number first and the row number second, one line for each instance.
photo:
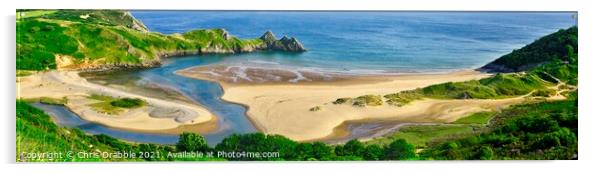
column 284, row 44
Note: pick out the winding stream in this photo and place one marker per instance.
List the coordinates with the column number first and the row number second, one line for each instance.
column 232, row 118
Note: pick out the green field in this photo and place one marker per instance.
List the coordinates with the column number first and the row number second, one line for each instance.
column 421, row 135
column 476, row 118
column 113, row 106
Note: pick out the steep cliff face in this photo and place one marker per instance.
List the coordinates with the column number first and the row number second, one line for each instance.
column 109, row 39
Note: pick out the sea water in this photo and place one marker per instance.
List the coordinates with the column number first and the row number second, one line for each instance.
column 372, row 42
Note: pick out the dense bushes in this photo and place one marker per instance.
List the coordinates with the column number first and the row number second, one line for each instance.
column 38, row 42
column 546, row 130
column 191, row 142
column 127, row 102
column 556, row 46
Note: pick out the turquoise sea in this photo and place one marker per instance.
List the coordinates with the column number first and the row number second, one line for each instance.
column 372, row 42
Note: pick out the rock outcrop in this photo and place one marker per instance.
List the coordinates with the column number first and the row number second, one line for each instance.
column 284, row 44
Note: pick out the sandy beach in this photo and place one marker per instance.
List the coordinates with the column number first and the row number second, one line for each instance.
column 157, row 116
column 283, row 108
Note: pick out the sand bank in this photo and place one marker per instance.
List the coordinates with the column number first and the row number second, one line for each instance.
column 157, row 116
column 283, row 108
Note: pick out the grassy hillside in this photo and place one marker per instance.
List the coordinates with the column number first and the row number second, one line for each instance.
column 543, row 130
column 560, row 70
column 96, row 39
column 554, row 47
column 546, row 130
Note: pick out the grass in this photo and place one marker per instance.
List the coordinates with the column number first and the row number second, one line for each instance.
column 498, row 86
column 544, row 92
column 22, row 73
column 127, row 103
column 361, row 101
column 420, row 135
column 48, row 100
column 113, row 106
column 543, row 130
column 54, row 101
column 34, row 13
column 403, row 98
column 315, row 108
column 476, row 118
column 38, row 42
column 37, row 133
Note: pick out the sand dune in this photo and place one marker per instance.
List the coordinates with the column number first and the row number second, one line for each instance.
column 284, row 108
column 175, row 117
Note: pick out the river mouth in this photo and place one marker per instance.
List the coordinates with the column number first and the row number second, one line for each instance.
column 164, row 83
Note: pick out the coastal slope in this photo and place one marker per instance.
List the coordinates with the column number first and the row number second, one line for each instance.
column 113, row 39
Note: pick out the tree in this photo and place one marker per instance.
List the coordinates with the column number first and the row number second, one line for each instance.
column 322, row 151
column 351, row 148
column 304, row 151
column 259, row 142
column 373, row 152
column 399, row 150
column 191, row 142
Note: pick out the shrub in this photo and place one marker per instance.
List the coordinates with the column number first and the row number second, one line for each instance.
column 127, row 102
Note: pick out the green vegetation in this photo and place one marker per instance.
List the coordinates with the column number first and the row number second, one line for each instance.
column 496, row 87
column 555, row 64
column 557, row 46
column 341, row 100
column 476, row 118
column 22, row 73
column 361, row 101
column 545, row 130
column 127, row 103
column 37, row 133
column 499, row 86
column 112, row 106
column 544, row 93
column 54, row 101
column 33, row 13
column 109, row 38
column 192, row 142
column 98, row 17
column 49, row 100
column 402, row 98
column 421, row 135
column 315, row 108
